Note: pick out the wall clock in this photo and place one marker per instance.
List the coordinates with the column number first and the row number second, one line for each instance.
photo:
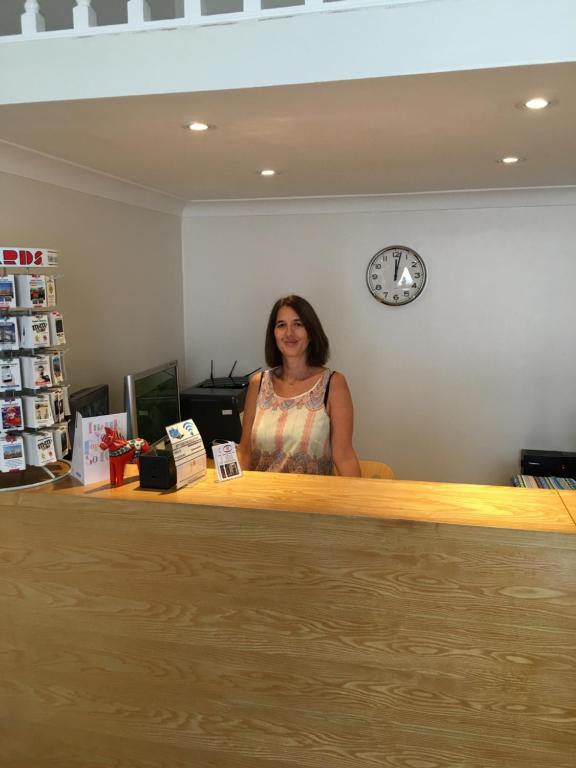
column 396, row 275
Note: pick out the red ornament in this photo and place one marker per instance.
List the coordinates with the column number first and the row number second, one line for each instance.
column 122, row 452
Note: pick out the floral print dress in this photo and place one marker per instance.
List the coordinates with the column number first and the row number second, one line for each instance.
column 292, row 434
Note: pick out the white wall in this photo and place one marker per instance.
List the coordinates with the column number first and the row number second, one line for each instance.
column 448, row 388
column 120, row 290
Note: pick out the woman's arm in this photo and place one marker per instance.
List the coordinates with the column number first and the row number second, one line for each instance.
column 341, row 412
column 245, row 447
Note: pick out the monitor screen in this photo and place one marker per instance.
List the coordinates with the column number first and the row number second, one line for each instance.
column 152, row 401
column 88, row 402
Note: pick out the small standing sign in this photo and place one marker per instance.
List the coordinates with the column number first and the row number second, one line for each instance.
column 226, row 461
column 189, row 452
column 90, row 464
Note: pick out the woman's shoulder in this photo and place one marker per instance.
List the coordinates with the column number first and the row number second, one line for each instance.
column 337, row 382
column 337, row 378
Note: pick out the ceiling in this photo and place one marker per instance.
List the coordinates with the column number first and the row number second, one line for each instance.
column 390, row 135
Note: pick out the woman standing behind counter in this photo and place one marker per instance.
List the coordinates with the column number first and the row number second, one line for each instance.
column 298, row 415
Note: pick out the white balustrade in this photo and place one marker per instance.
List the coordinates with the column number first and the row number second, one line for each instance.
column 186, row 13
column 191, row 10
column 32, row 20
column 252, row 7
column 138, row 12
column 84, row 15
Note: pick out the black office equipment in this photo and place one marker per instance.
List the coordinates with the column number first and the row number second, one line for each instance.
column 215, row 411
column 157, row 469
column 151, row 401
column 548, row 463
column 226, row 382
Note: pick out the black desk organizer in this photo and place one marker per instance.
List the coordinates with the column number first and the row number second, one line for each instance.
column 215, row 410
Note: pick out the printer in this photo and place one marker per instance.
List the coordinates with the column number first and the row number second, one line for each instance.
column 548, row 463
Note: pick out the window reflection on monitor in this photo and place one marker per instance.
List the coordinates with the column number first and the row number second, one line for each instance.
column 152, row 401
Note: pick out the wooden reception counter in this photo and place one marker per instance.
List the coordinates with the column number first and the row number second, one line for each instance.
column 278, row 621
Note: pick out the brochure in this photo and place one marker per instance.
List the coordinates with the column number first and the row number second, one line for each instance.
column 57, row 369
column 56, row 322
column 11, row 415
column 10, row 378
column 57, row 405
column 12, row 457
column 36, row 372
column 31, row 290
column 61, row 440
column 37, row 411
column 50, row 290
column 39, row 447
column 34, row 331
column 7, row 292
column 9, row 337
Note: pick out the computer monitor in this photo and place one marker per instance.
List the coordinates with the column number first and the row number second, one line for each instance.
column 152, row 401
column 90, row 401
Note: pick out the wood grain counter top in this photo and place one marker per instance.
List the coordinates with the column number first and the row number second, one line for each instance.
column 448, row 503
column 288, row 621
column 569, row 499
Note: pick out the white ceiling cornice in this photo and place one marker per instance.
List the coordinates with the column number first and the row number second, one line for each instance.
column 20, row 161
column 428, row 201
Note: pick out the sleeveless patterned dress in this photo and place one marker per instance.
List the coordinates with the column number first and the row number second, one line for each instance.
column 292, row 434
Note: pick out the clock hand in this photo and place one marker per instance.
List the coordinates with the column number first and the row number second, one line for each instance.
column 397, row 260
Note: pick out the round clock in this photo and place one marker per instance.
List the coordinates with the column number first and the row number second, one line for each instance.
column 396, row 275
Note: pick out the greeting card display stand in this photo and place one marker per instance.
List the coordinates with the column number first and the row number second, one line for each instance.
column 33, row 390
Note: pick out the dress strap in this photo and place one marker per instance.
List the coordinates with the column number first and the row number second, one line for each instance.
column 327, row 390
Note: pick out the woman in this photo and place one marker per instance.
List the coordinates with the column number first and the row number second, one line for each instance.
column 298, row 415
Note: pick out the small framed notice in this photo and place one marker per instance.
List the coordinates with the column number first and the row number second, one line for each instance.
column 226, row 461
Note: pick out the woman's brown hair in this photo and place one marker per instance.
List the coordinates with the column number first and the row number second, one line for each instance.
column 318, row 348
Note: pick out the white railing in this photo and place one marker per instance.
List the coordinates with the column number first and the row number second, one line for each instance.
column 137, row 15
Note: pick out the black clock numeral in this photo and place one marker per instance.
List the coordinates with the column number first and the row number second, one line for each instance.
column 413, row 264
column 378, row 266
column 385, row 294
column 417, row 274
column 396, row 297
column 374, row 277
column 378, row 288
column 407, row 293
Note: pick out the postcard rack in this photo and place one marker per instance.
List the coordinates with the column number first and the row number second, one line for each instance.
column 33, row 389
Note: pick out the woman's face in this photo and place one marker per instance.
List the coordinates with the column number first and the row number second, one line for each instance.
column 291, row 336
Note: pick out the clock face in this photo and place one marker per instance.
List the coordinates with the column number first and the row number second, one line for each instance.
column 396, row 275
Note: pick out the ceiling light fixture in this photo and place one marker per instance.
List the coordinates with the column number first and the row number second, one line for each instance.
column 509, row 160
column 268, row 172
column 195, row 126
column 537, row 103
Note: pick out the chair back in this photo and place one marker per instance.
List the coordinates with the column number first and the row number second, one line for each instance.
column 373, row 469
column 376, row 469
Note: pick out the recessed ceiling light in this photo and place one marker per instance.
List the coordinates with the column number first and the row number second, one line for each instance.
column 267, row 172
column 198, row 126
column 509, row 160
column 538, row 103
